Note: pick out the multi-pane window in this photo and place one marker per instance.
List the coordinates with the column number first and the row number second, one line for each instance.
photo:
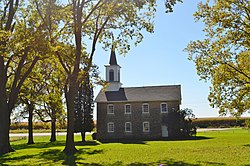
column 146, row 127
column 164, row 108
column 128, row 127
column 110, row 109
column 127, row 109
column 111, row 127
column 145, row 108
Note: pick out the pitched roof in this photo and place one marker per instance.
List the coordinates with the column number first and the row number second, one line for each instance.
column 141, row 94
column 112, row 60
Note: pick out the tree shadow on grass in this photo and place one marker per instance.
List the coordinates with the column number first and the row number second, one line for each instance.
column 5, row 158
column 169, row 162
column 189, row 138
column 213, row 163
column 144, row 142
column 51, row 153
column 247, row 145
column 39, row 145
column 87, row 143
column 125, row 142
column 56, row 155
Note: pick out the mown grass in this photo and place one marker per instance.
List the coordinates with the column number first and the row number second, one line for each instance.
column 230, row 147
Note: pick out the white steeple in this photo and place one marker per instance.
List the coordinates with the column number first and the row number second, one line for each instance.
column 113, row 73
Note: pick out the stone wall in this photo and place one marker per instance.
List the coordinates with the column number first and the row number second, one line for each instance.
column 154, row 117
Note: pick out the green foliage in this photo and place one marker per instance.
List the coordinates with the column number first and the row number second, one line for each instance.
column 180, row 123
column 84, row 105
column 169, row 4
column 230, row 147
column 223, row 56
column 247, row 123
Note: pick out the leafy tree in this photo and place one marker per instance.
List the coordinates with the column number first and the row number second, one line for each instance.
column 93, row 21
column 180, row 123
column 22, row 44
column 50, row 101
column 223, row 57
column 97, row 21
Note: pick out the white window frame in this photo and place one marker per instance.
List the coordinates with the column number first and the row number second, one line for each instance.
column 109, row 129
column 108, row 110
column 166, row 108
column 143, row 108
column 144, row 130
column 128, row 131
column 125, row 110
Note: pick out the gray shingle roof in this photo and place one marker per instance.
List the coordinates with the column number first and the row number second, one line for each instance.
column 141, row 94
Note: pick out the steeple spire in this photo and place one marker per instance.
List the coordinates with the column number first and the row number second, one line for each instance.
column 112, row 60
column 113, row 72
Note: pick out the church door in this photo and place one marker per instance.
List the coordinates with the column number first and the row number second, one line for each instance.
column 164, row 131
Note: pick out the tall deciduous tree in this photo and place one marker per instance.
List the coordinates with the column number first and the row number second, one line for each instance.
column 223, row 56
column 95, row 21
column 21, row 42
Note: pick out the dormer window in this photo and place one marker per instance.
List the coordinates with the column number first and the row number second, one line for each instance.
column 111, row 75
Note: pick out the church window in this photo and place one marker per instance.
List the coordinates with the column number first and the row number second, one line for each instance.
column 111, row 75
column 128, row 127
column 145, row 108
column 164, row 108
column 110, row 109
column 127, row 108
column 111, row 127
column 146, row 127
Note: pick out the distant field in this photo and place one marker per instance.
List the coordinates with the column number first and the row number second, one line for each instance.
column 220, row 122
column 230, row 147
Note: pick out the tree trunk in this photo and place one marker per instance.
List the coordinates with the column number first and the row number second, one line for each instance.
column 53, row 126
column 5, row 129
column 70, row 144
column 4, row 113
column 83, row 136
column 30, row 123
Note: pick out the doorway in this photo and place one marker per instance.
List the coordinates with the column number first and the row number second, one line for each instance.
column 164, row 131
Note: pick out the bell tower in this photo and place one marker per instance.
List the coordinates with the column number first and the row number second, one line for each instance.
column 113, row 73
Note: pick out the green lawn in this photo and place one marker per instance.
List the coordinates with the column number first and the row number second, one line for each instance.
column 230, row 147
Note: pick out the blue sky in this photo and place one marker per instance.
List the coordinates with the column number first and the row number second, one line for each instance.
column 160, row 59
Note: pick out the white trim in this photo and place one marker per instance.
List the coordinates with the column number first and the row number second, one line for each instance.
column 146, row 131
column 130, row 127
column 108, row 129
column 125, row 109
column 166, row 108
column 143, row 107
column 108, row 111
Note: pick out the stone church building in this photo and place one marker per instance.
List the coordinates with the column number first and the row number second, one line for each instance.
column 138, row 113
